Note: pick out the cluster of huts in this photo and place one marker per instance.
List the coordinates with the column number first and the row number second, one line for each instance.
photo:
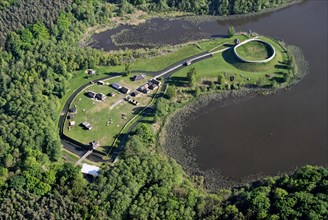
column 151, row 85
column 120, row 88
column 131, row 100
column 71, row 112
column 99, row 96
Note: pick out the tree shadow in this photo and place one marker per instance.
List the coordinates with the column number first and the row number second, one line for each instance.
column 228, row 45
column 147, row 112
column 219, row 36
column 146, row 121
column 281, row 79
column 279, row 66
column 178, row 81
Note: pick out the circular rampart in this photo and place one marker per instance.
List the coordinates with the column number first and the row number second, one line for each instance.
column 254, row 61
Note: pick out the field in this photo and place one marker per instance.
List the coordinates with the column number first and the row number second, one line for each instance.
column 152, row 64
column 106, row 120
column 254, row 51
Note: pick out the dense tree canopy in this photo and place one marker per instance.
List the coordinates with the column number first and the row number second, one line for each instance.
column 39, row 53
column 213, row 7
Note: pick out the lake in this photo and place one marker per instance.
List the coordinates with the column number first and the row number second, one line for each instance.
column 267, row 134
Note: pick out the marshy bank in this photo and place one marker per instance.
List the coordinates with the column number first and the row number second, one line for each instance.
column 184, row 147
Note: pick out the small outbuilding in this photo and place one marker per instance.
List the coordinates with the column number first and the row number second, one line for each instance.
column 237, row 41
column 135, row 94
column 70, row 116
column 73, row 110
column 90, row 169
column 91, row 71
column 101, row 96
column 138, row 77
column 116, row 86
column 71, row 123
column 94, row 144
column 91, row 94
column 155, row 81
column 153, row 86
column 144, row 89
column 101, row 83
column 86, row 125
column 124, row 90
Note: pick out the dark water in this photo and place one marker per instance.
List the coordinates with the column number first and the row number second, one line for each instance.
column 266, row 134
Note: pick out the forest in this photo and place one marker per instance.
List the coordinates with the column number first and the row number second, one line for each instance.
column 39, row 53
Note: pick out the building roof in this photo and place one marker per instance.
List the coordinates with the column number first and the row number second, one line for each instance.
column 89, row 169
column 87, row 125
column 156, row 82
column 116, row 86
column 91, row 71
column 153, row 86
column 138, row 77
column 94, row 144
column 135, row 93
column 101, row 96
column 124, row 89
column 91, row 94
column 73, row 110
column 100, row 82
column 144, row 89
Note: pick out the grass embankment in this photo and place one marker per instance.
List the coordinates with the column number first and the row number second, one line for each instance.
column 106, row 120
column 254, row 51
column 227, row 65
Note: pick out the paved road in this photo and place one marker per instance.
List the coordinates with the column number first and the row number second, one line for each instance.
column 165, row 74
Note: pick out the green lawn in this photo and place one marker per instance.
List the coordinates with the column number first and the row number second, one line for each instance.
column 254, row 50
column 106, row 121
column 226, row 62
column 160, row 62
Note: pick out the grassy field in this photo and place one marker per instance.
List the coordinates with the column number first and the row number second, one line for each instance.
column 105, row 120
column 153, row 64
column 228, row 65
column 254, row 50
column 183, row 52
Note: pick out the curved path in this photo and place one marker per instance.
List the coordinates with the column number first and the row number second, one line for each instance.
column 76, row 147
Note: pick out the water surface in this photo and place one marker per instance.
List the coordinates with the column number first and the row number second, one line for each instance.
column 264, row 135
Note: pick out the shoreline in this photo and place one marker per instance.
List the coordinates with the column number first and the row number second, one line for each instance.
column 86, row 38
column 176, row 145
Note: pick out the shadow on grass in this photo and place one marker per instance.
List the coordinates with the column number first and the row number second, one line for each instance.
column 178, row 81
column 279, row 66
column 230, row 58
column 220, row 36
column 148, row 112
column 279, row 79
column 228, row 45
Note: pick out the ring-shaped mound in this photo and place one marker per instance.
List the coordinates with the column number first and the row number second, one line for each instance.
column 272, row 50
